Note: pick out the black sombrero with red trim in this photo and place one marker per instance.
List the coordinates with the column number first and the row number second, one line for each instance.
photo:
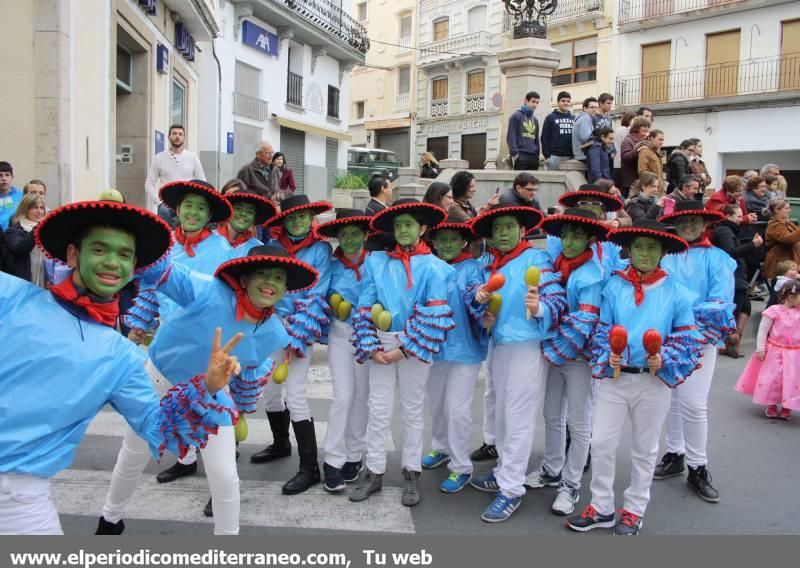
column 297, row 203
column 610, row 202
column 575, row 216
column 62, row 226
column 345, row 217
column 299, row 275
column 649, row 228
column 427, row 214
column 173, row 193
column 692, row 208
column 265, row 209
column 451, row 224
column 529, row 217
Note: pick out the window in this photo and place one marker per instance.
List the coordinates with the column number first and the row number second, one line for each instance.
column 361, row 11
column 333, row 102
column 247, row 80
column 441, row 30
column 403, row 80
column 178, row 103
column 405, row 27
column 476, row 83
column 359, row 111
column 439, row 88
column 124, row 70
column 476, row 19
column 578, row 61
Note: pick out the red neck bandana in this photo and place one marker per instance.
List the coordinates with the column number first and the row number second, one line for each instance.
column 702, row 242
column 190, row 243
column 293, row 247
column 243, row 303
column 500, row 259
column 635, row 278
column 104, row 313
column 405, row 257
column 465, row 255
column 354, row 266
column 226, row 231
column 566, row 265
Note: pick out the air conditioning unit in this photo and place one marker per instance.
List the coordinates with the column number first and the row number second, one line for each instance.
column 593, row 5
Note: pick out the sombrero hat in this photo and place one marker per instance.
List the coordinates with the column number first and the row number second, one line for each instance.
column 610, row 202
column 172, row 194
column 345, row 217
column 649, row 228
column 299, row 275
column 575, row 216
column 427, row 213
column 62, row 226
column 265, row 209
column 529, row 217
column 452, row 224
column 297, row 203
column 692, row 208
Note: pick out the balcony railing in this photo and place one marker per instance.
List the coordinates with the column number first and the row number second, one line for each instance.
column 403, row 101
column 750, row 77
column 294, row 89
column 439, row 108
column 404, row 44
column 332, row 19
column 474, row 103
column 454, row 47
column 636, row 10
column 566, row 10
column 251, row 107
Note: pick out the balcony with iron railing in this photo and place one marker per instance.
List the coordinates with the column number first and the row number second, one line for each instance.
column 474, row 103
column 250, row 107
column 762, row 78
column 566, row 11
column 640, row 12
column 403, row 102
column 439, row 108
column 294, row 89
column 458, row 47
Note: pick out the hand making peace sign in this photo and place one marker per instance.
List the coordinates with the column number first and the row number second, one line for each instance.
column 221, row 364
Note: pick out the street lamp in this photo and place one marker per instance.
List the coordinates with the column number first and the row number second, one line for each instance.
column 529, row 16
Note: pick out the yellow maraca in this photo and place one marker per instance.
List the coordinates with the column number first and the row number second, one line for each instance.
column 532, row 277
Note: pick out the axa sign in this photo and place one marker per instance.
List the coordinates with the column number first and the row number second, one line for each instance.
column 259, row 38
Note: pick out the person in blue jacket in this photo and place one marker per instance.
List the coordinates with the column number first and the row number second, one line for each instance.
column 250, row 211
column 598, row 160
column 643, row 300
column 528, row 315
column 346, row 439
column 401, row 322
column 69, row 362
column 569, row 380
column 708, row 273
column 305, row 315
column 455, row 369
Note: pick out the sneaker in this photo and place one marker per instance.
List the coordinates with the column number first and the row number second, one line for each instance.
column 628, row 525
column 350, row 471
column 455, row 482
column 501, row 508
column 410, row 495
column 772, row 411
column 542, row 478
column 669, row 466
column 786, row 414
column 434, row 459
column 700, row 480
column 110, row 529
column 486, row 452
column 487, row 483
column 366, row 486
column 590, row 519
column 334, row 482
column 565, row 501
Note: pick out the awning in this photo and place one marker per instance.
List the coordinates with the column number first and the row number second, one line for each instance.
column 388, row 123
column 313, row 129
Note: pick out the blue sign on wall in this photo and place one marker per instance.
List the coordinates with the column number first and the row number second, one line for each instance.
column 230, row 142
column 259, row 38
column 162, row 58
column 159, row 141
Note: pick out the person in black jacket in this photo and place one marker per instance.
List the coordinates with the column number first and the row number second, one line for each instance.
column 678, row 164
column 5, row 256
column 644, row 205
column 523, row 194
column 380, row 195
column 27, row 259
column 557, row 133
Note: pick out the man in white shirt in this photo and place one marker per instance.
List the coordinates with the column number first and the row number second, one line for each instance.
column 175, row 164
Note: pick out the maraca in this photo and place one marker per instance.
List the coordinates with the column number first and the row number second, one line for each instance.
column 532, row 276
column 652, row 344
column 495, row 282
column 240, row 430
column 495, row 303
column 280, row 374
column 618, row 341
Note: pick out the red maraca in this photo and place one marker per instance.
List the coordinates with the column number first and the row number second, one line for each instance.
column 618, row 341
column 652, row 344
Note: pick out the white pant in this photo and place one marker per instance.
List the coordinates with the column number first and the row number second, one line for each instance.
column 489, row 402
column 346, row 438
column 518, row 372
column 219, row 457
column 645, row 399
column 26, row 506
column 570, row 386
column 687, row 422
column 296, row 400
column 410, row 376
column 450, row 390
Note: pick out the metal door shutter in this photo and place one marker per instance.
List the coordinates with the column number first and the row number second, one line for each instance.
column 293, row 146
column 398, row 142
column 331, row 161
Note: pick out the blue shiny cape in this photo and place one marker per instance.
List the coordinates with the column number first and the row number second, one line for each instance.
column 345, row 283
column 609, row 254
column 468, row 342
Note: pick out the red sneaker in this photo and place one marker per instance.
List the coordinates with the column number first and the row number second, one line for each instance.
column 772, row 411
column 786, row 414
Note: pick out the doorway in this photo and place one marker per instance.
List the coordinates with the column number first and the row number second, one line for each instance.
column 473, row 150
column 438, row 147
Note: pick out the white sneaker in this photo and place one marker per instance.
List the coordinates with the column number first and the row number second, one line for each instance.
column 542, row 478
column 565, row 501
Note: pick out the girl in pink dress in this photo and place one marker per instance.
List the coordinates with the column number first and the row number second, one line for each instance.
column 773, row 374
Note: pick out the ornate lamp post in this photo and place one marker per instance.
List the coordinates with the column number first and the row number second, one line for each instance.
column 529, row 16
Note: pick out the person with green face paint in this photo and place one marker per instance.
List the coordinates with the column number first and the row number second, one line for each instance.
column 346, row 439
column 69, row 362
column 455, row 369
column 250, row 211
column 517, row 367
column 643, row 300
column 305, row 315
column 241, row 298
column 405, row 292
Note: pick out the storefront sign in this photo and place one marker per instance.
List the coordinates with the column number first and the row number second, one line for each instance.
column 259, row 38
column 457, row 125
column 386, row 124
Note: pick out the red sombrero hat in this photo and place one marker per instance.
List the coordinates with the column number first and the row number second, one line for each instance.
column 428, row 214
column 529, row 217
column 575, row 216
column 692, row 208
column 649, row 228
column 464, row 228
column 299, row 275
column 172, row 194
column 297, row 203
column 265, row 209
column 610, row 202
column 345, row 217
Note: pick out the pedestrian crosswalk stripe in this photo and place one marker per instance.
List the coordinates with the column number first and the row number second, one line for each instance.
column 83, row 492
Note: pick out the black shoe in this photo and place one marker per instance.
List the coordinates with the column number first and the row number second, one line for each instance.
column 176, row 471
column 700, row 480
column 307, row 450
column 334, row 482
column 350, row 471
column 113, row 529
column 485, row 453
column 208, row 510
column 669, row 466
column 280, row 447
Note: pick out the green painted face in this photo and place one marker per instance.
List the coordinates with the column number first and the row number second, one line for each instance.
column 646, row 253
column 244, row 216
column 106, row 260
column 690, row 228
column 194, row 213
column 449, row 244
column 298, row 224
column 506, row 233
column 265, row 286
column 351, row 239
column 574, row 240
column 406, row 230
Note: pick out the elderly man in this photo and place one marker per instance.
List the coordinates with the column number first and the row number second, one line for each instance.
column 256, row 173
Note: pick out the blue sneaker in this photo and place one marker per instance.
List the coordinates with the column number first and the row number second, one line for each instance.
column 487, row 483
column 434, row 459
column 455, row 482
column 350, row 470
column 501, row 508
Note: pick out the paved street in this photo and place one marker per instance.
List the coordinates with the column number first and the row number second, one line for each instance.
column 753, row 460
